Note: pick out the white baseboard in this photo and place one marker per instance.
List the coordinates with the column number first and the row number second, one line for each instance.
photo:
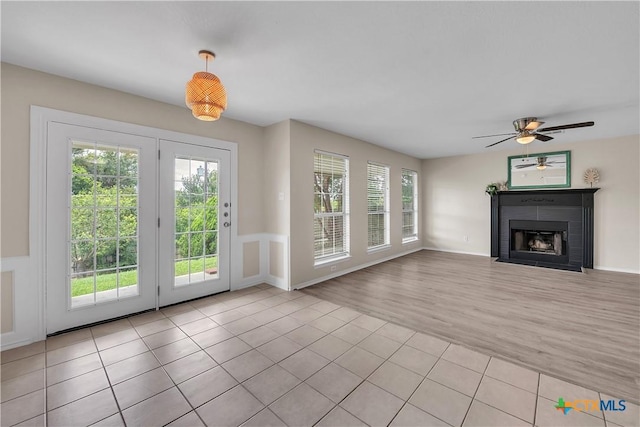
column 484, row 254
column 9, row 341
column 278, row 282
column 596, row 267
column 247, row 282
column 617, row 270
column 355, row 268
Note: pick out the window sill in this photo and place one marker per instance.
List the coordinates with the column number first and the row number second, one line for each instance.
column 409, row 240
column 332, row 260
column 378, row 249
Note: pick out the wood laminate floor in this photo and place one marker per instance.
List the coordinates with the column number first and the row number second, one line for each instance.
column 581, row 327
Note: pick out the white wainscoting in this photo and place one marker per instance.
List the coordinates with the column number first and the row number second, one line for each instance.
column 28, row 305
column 264, row 276
column 279, row 282
column 29, row 299
column 238, row 281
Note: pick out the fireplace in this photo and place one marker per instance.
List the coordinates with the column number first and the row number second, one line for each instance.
column 539, row 240
column 545, row 228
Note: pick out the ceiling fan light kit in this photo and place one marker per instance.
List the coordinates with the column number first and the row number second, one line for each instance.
column 527, row 130
column 525, row 139
column 205, row 95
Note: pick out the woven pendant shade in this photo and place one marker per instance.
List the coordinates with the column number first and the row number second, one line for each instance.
column 205, row 95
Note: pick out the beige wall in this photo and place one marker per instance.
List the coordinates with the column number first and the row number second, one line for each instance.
column 6, row 301
column 276, row 179
column 279, row 159
column 304, row 140
column 22, row 87
column 454, row 203
column 272, row 162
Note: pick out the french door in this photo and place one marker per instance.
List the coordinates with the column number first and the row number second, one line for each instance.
column 129, row 229
column 101, row 232
column 195, row 220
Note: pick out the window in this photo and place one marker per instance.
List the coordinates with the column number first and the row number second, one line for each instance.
column 409, row 205
column 330, row 207
column 378, row 205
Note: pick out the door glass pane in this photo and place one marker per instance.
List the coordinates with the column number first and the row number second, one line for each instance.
column 127, row 252
column 211, row 243
column 128, row 222
column 128, row 163
column 196, row 224
column 104, row 223
column 106, row 254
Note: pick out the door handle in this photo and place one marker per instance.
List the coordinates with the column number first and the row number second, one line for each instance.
column 227, row 224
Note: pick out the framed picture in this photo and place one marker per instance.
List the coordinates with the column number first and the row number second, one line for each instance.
column 540, row 170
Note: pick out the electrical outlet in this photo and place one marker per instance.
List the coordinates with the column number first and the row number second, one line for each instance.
column 466, row 238
column 333, row 267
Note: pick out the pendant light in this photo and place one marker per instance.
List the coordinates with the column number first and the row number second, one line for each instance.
column 205, row 95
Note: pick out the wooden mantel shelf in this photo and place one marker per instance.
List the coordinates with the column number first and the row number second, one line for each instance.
column 550, row 191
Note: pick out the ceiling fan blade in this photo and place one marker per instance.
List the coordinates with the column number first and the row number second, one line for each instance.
column 543, row 138
column 571, row 126
column 496, row 143
column 525, row 166
column 490, row 136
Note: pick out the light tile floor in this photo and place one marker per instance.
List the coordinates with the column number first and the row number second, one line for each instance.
column 265, row 357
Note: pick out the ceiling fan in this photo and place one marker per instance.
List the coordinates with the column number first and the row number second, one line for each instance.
column 528, row 129
column 541, row 163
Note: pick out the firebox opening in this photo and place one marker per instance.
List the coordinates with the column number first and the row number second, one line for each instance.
column 539, row 241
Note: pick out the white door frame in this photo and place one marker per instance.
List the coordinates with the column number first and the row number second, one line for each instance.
column 40, row 117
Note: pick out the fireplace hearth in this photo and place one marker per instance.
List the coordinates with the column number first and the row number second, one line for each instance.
column 544, row 228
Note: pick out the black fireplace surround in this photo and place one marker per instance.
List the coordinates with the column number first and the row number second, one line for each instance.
column 544, row 228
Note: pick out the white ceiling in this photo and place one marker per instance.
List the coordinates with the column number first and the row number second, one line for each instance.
column 418, row 77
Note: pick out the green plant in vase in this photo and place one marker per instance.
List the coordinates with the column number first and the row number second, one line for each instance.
column 492, row 189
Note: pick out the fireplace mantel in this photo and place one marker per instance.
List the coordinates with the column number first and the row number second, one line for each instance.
column 573, row 206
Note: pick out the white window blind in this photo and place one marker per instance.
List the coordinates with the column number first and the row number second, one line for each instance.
column 377, row 205
column 330, row 206
column 409, row 205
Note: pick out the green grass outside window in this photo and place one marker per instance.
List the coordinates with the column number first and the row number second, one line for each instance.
column 106, row 282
